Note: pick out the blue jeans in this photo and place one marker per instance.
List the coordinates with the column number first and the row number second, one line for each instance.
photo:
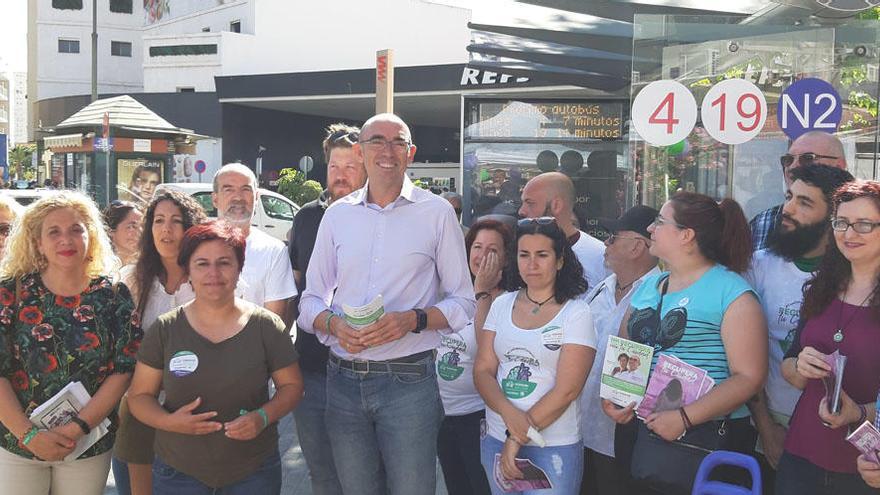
column 264, row 481
column 798, row 476
column 383, row 429
column 120, row 476
column 312, row 432
column 563, row 464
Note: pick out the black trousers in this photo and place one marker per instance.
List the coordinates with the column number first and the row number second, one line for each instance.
column 458, row 447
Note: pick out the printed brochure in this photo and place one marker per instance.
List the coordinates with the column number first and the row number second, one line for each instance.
column 66, row 404
column 625, row 371
column 673, row 384
column 834, row 381
column 534, row 478
column 359, row 317
column 866, row 438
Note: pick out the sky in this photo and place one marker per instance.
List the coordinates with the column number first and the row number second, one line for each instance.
column 13, row 35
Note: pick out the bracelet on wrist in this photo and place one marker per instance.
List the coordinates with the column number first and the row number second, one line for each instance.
column 480, row 295
column 86, row 429
column 29, row 435
column 863, row 414
column 512, row 438
column 327, row 323
column 685, row 419
column 262, row 413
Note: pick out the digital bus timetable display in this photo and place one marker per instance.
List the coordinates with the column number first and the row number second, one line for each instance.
column 575, row 120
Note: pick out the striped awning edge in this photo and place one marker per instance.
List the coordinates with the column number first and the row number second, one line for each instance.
column 65, row 141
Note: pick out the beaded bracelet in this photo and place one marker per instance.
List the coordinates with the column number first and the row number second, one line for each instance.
column 29, row 435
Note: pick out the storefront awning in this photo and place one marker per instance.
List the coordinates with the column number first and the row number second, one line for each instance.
column 65, row 141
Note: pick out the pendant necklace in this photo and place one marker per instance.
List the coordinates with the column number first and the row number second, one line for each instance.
column 838, row 335
column 536, row 303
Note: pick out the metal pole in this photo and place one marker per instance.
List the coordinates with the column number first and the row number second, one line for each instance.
column 94, row 50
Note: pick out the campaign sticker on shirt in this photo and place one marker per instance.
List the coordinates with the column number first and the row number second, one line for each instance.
column 183, row 363
column 448, row 365
column 551, row 337
column 683, row 302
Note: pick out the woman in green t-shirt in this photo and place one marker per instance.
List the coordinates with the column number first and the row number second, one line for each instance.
column 214, row 357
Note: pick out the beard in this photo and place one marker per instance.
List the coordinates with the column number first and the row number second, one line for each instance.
column 797, row 242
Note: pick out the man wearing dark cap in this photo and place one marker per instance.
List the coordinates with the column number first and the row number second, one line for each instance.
column 627, row 257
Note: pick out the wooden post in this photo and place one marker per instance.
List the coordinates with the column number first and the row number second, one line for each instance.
column 385, row 81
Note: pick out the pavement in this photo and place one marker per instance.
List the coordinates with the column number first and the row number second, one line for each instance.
column 295, row 474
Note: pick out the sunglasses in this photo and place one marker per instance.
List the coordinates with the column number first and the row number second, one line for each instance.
column 350, row 136
column 804, row 158
column 526, row 222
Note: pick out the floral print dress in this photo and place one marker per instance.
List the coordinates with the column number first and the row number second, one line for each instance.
column 48, row 341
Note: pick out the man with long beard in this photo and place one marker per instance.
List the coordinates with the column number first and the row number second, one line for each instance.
column 778, row 273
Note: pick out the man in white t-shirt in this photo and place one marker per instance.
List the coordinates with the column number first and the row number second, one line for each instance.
column 551, row 194
column 266, row 278
column 778, row 274
column 627, row 257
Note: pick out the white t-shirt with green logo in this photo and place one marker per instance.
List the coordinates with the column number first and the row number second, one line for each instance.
column 455, row 372
column 527, row 362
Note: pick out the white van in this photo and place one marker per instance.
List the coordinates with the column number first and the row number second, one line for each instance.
column 273, row 213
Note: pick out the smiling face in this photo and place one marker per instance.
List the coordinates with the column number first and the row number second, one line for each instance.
column 537, row 261
column 64, row 240
column 633, row 363
column 487, row 241
column 854, row 246
column 213, row 271
column 385, row 151
column 167, row 229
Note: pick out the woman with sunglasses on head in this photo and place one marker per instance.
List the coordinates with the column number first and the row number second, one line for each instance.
column 158, row 285
column 62, row 320
column 10, row 210
column 840, row 313
column 703, row 312
column 124, row 220
column 489, row 245
column 535, row 349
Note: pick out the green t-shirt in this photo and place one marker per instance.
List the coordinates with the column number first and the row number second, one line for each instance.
column 229, row 376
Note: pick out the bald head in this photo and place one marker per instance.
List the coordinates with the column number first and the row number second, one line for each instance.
column 386, row 118
column 550, row 194
column 555, row 185
column 825, row 145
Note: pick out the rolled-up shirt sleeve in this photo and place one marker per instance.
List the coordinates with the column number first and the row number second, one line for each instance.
column 458, row 304
column 320, row 278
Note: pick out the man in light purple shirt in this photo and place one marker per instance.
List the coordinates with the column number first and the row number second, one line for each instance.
column 394, row 239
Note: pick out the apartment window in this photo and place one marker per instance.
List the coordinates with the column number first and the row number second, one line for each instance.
column 68, row 46
column 186, row 90
column 67, row 4
column 206, row 30
column 120, row 6
column 235, row 26
column 120, row 48
column 175, row 50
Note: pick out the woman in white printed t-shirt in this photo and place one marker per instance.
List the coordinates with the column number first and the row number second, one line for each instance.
column 489, row 246
column 535, row 351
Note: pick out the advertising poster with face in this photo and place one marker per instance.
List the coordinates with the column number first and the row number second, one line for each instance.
column 138, row 178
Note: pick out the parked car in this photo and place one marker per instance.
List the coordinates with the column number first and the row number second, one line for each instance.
column 26, row 196
column 273, row 213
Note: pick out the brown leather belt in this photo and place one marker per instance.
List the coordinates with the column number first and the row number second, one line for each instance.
column 406, row 364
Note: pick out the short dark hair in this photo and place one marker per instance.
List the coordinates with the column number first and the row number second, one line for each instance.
column 116, row 212
column 214, row 230
column 570, row 281
column 506, row 237
column 825, row 177
column 339, row 135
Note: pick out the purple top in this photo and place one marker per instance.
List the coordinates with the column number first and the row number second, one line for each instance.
column 807, row 436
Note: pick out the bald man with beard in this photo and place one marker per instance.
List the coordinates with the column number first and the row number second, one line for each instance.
column 551, row 194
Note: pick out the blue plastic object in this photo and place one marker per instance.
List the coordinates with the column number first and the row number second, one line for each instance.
column 702, row 485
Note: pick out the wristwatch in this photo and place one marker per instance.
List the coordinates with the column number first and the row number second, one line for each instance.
column 421, row 320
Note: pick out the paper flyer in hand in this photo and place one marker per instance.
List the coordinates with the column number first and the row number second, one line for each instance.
column 866, row 438
column 834, row 381
column 625, row 371
column 673, row 384
column 534, row 478
column 66, row 404
column 358, row 317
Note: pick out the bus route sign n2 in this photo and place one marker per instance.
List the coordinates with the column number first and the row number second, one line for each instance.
column 809, row 105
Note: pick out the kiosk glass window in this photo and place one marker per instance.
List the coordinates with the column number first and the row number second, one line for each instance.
column 700, row 53
column 507, row 142
column 137, row 178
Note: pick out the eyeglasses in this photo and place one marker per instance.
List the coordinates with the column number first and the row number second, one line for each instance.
column 525, row 222
column 614, row 237
column 350, row 136
column 5, row 228
column 659, row 221
column 378, row 143
column 804, row 158
column 862, row 227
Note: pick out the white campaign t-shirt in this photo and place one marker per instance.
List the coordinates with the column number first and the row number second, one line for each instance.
column 455, row 372
column 779, row 285
column 159, row 301
column 527, row 362
column 591, row 253
column 267, row 274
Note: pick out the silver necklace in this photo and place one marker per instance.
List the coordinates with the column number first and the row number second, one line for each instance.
column 838, row 335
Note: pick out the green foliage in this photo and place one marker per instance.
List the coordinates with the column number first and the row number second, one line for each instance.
column 293, row 184
column 20, row 161
column 421, row 183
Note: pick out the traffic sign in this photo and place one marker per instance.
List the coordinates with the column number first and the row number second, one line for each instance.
column 200, row 166
column 809, row 105
column 664, row 112
column 734, row 111
column 306, row 164
column 103, row 144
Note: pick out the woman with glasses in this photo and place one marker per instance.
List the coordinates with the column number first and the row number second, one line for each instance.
column 703, row 312
column 61, row 320
column 10, row 210
column 159, row 285
column 489, row 244
column 123, row 220
column 214, row 357
column 840, row 313
column 535, row 349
